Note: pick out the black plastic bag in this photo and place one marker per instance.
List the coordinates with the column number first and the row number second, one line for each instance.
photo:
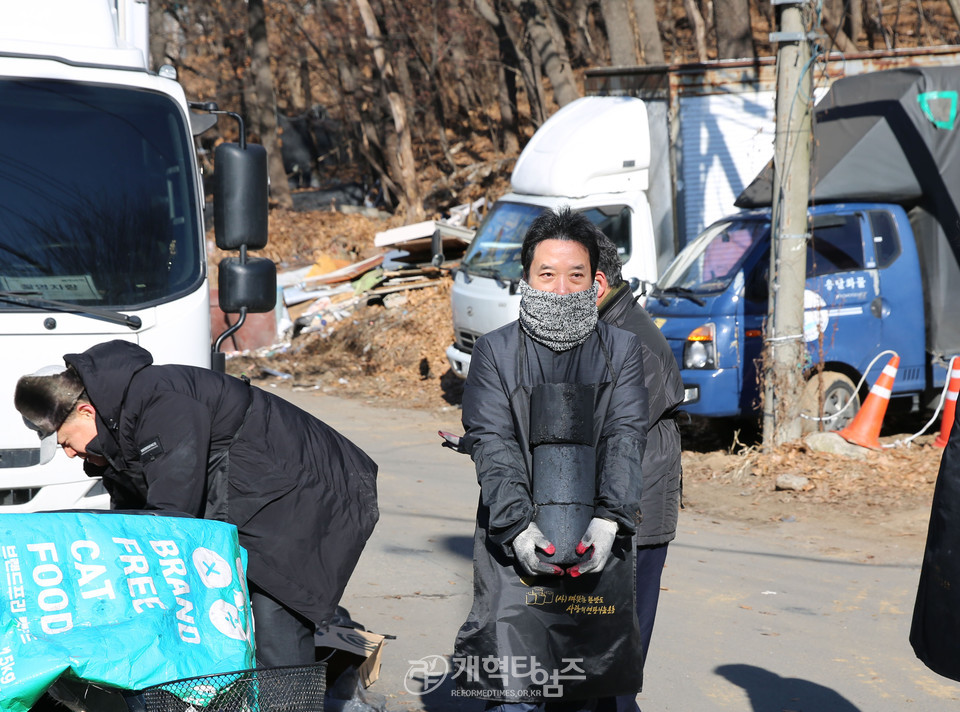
column 537, row 639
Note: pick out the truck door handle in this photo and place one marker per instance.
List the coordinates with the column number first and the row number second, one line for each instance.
column 879, row 308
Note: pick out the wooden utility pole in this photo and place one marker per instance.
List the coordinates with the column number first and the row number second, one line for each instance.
column 785, row 352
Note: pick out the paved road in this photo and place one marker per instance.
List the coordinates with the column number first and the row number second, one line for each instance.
column 761, row 619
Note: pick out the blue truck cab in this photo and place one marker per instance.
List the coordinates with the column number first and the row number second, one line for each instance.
column 882, row 259
column 863, row 296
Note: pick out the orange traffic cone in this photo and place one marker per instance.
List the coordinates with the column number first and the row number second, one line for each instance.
column 865, row 426
column 950, row 407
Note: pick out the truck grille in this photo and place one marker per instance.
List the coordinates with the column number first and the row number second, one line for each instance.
column 466, row 339
column 23, row 457
column 10, row 497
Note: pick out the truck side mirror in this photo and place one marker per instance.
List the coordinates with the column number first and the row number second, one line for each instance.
column 636, row 284
column 246, row 285
column 250, row 284
column 240, row 196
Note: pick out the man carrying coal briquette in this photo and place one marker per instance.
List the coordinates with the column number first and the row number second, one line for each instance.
column 555, row 416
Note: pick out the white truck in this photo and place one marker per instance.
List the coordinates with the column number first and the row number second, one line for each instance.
column 102, row 234
column 593, row 155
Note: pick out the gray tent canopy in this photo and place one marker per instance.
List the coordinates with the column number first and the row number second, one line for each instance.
column 894, row 137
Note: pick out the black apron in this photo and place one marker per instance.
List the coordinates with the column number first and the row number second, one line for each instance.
column 542, row 638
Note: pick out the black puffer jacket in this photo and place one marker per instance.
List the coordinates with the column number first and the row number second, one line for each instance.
column 181, row 438
column 496, row 416
column 661, row 460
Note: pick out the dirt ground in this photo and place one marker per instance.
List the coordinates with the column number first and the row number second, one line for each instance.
column 392, row 353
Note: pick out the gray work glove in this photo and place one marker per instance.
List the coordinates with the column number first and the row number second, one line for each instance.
column 599, row 536
column 525, row 545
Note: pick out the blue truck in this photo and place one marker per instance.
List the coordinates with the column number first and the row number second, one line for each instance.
column 882, row 260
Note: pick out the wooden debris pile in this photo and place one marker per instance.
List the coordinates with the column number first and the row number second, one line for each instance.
column 392, row 350
column 318, row 302
column 366, row 308
column 412, row 257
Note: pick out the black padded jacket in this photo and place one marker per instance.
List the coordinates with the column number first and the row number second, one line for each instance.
column 186, row 439
column 662, row 483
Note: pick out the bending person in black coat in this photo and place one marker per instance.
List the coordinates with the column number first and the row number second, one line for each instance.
column 186, row 439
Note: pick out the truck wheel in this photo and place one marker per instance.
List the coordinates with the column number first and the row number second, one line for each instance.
column 838, row 390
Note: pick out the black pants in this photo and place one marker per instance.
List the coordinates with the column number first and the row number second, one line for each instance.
column 650, row 561
column 283, row 636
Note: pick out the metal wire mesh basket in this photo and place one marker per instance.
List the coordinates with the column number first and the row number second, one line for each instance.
column 292, row 688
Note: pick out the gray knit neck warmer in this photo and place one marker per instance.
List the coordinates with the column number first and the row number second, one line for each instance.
column 558, row 321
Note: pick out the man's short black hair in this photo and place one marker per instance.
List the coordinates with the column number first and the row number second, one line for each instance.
column 562, row 224
column 610, row 263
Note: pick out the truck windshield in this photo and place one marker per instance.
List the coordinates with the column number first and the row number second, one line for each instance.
column 97, row 196
column 712, row 260
column 495, row 250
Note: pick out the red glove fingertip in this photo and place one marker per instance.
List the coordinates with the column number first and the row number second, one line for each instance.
column 574, row 571
column 550, row 550
column 581, row 549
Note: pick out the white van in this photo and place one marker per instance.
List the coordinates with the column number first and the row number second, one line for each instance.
column 594, row 156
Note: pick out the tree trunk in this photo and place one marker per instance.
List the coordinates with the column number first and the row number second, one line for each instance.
column 297, row 84
column 265, row 107
column 699, row 31
column 471, row 82
column 433, row 122
column 338, row 50
column 536, row 62
column 528, row 66
column 855, row 19
column 955, row 9
column 583, row 38
column 406, row 167
column 651, row 46
column 734, row 33
column 455, row 92
column 158, row 37
column 706, row 12
column 507, row 78
column 552, row 56
column 442, row 83
column 563, row 67
column 922, row 24
column 509, row 118
column 616, row 17
column 369, row 145
column 832, row 20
